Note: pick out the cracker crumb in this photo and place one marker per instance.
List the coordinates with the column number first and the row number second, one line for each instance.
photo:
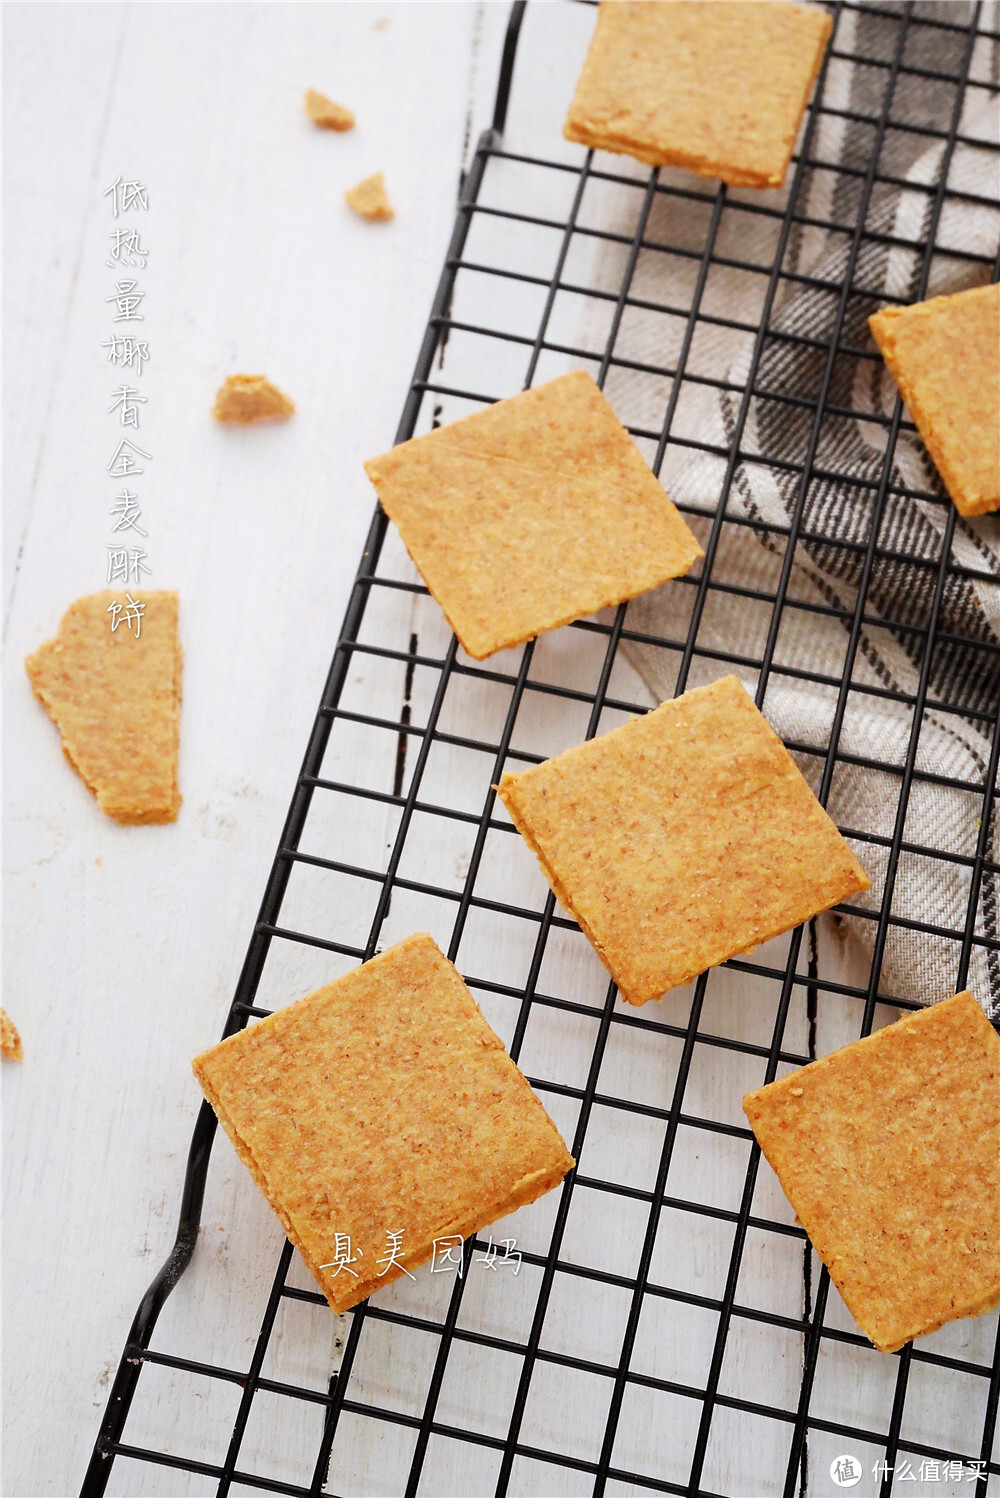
column 369, row 199
column 10, row 1041
column 245, row 398
column 326, row 113
column 116, row 699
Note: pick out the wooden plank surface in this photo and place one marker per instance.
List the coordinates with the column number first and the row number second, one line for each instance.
column 123, row 944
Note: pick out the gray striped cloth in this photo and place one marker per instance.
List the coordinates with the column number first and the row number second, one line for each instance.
column 918, row 965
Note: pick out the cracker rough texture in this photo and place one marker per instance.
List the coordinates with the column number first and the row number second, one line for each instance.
column 382, row 1103
column 682, row 838
column 889, row 1151
column 245, row 398
column 534, row 512
column 370, row 200
column 718, row 86
column 10, row 1041
column 116, row 700
column 945, row 357
column 326, row 113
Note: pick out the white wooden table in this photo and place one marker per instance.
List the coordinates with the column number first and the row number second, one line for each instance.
column 123, row 944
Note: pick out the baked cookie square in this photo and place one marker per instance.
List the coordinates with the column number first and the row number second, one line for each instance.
column 717, row 86
column 889, row 1151
column 111, row 682
column 382, row 1111
column 945, row 357
column 682, row 838
column 534, row 512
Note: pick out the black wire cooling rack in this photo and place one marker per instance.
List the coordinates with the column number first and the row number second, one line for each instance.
column 420, row 697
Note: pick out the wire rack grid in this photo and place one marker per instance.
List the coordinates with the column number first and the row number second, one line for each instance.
column 649, row 1342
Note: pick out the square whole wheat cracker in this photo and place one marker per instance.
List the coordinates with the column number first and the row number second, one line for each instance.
column 382, row 1103
column 532, row 513
column 945, row 357
column 717, row 86
column 889, row 1151
column 682, row 838
column 115, row 697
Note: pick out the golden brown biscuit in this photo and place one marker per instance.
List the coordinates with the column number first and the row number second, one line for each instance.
column 10, row 1041
column 538, row 510
column 889, row 1151
column 945, row 357
column 717, row 86
column 370, row 200
column 382, row 1103
column 244, row 398
column 115, row 696
column 682, row 838
column 326, row 113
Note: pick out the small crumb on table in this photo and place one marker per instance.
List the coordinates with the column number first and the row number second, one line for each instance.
column 325, row 112
column 10, row 1041
column 245, row 398
column 889, row 1152
column 369, row 199
column 944, row 355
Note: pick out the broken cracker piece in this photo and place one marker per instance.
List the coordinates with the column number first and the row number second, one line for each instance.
column 717, row 86
column 10, row 1041
column 531, row 513
column 115, row 697
column 682, row 838
column 325, row 112
column 244, row 398
column 944, row 355
column 369, row 199
column 889, row 1152
column 382, row 1104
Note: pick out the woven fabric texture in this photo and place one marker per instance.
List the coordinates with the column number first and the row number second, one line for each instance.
column 788, row 414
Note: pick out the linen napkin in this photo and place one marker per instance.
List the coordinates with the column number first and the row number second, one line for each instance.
column 918, row 964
